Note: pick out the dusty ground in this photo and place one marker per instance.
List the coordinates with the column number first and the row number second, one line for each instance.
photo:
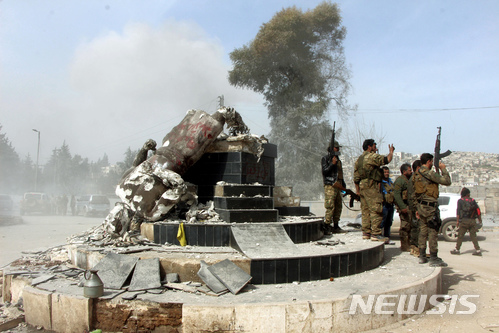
column 466, row 275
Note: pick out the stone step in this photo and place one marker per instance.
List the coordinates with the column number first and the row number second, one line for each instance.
column 244, row 203
column 219, row 234
column 293, row 211
column 236, row 190
column 248, row 215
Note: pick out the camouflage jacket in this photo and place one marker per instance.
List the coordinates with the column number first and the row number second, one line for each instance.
column 367, row 167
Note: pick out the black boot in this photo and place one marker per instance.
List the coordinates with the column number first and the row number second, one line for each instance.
column 337, row 230
column 422, row 256
column 436, row 261
column 326, row 228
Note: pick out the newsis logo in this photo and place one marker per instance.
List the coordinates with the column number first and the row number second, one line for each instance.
column 411, row 304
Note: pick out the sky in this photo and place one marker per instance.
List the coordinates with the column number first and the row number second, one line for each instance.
column 104, row 76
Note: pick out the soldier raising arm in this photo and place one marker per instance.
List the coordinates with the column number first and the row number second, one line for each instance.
column 367, row 179
column 426, row 192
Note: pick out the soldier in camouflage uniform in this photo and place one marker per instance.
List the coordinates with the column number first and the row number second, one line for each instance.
column 332, row 172
column 367, row 178
column 425, row 183
column 401, row 200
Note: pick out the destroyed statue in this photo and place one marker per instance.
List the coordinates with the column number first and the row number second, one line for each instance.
column 151, row 189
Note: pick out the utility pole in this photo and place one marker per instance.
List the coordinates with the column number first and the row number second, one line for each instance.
column 37, row 159
column 221, row 102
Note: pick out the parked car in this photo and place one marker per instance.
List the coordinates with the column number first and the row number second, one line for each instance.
column 93, row 205
column 35, row 202
column 448, row 206
column 6, row 205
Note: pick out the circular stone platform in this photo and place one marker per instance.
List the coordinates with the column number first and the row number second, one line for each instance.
column 270, row 264
column 321, row 305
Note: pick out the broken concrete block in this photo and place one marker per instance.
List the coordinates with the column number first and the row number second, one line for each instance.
column 287, row 201
column 283, row 191
column 38, row 307
column 77, row 319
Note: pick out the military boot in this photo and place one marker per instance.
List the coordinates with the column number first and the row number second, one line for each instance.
column 337, row 230
column 326, row 228
column 422, row 256
column 436, row 261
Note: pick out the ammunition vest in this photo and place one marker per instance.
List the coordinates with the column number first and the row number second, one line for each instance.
column 388, row 192
column 468, row 207
column 366, row 172
column 423, row 185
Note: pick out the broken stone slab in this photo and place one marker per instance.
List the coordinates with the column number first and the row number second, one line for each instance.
column 41, row 279
column 330, row 242
column 231, row 275
column 135, row 249
column 130, row 295
column 181, row 286
column 23, row 272
column 210, row 280
column 156, row 291
column 209, row 292
column 114, row 269
column 146, row 275
column 262, row 240
column 11, row 323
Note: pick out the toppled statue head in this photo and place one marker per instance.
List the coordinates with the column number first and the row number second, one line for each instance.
column 234, row 122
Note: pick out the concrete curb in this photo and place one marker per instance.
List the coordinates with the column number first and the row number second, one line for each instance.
column 70, row 313
column 326, row 315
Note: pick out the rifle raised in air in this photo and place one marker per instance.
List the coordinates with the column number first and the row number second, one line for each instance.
column 331, row 144
column 438, row 156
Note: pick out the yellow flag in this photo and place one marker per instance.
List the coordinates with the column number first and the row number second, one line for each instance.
column 181, row 235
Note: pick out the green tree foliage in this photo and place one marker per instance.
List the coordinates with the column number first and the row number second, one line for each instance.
column 127, row 163
column 61, row 174
column 297, row 62
column 9, row 165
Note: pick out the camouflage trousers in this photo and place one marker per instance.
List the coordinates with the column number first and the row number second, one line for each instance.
column 426, row 233
column 414, row 235
column 371, row 203
column 333, row 204
column 467, row 225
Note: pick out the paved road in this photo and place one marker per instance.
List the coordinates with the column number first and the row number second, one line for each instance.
column 465, row 275
column 36, row 232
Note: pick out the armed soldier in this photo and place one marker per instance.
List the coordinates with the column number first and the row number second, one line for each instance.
column 400, row 194
column 367, row 178
column 332, row 172
column 425, row 183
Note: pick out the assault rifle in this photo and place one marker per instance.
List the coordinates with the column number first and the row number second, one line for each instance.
column 438, row 155
column 352, row 194
column 331, row 145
